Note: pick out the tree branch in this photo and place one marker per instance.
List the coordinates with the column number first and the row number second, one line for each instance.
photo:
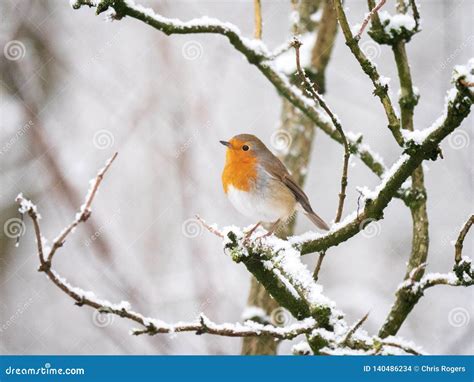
column 151, row 326
column 380, row 90
column 370, row 15
column 412, row 289
column 256, row 54
column 458, row 108
column 282, row 273
column 85, row 210
column 460, row 241
column 309, row 86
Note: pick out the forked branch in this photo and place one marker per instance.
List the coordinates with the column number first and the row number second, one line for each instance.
column 151, row 326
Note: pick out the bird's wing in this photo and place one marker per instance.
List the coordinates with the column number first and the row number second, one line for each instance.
column 277, row 170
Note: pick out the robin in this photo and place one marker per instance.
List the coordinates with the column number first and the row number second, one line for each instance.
column 259, row 185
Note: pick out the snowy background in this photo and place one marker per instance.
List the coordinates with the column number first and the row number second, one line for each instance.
column 91, row 88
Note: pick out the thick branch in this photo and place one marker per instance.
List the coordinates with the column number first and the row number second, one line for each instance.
column 420, row 236
column 458, row 108
column 315, row 310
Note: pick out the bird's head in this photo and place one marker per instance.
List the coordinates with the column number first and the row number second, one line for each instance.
column 244, row 148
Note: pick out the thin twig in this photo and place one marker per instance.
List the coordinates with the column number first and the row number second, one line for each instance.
column 416, row 14
column 151, row 326
column 368, row 17
column 319, row 99
column 257, row 7
column 352, row 330
column 465, row 83
column 405, row 348
column 212, row 230
column 85, row 210
column 318, row 265
column 460, row 241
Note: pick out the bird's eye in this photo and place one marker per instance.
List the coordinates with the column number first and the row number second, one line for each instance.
column 245, row 148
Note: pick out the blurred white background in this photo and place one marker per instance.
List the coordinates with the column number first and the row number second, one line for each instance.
column 91, row 88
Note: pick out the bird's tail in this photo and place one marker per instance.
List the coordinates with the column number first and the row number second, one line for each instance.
column 318, row 222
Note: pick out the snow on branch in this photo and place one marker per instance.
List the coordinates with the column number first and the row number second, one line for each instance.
column 287, row 276
column 277, row 265
column 462, row 275
column 123, row 309
column 256, row 53
column 256, row 253
column 457, row 108
column 380, row 86
column 413, row 287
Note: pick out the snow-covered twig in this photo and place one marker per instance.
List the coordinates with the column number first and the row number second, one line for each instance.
column 407, row 349
column 281, row 272
column 211, row 229
column 247, row 329
column 412, row 289
column 357, row 325
column 85, row 210
column 151, row 326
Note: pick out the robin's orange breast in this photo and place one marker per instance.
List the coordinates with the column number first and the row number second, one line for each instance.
column 240, row 171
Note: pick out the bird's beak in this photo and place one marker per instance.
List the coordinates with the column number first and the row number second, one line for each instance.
column 225, row 143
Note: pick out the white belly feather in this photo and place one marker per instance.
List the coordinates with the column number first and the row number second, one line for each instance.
column 266, row 208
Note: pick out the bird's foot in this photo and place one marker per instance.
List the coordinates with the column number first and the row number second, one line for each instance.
column 250, row 232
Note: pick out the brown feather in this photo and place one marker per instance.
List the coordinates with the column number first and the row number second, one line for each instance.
column 277, row 169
